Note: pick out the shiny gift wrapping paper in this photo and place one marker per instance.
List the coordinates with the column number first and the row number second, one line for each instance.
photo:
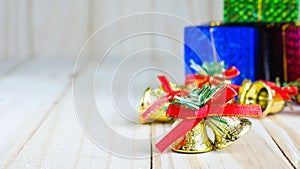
column 236, row 46
column 277, row 50
column 261, row 10
column 284, row 51
column 292, row 52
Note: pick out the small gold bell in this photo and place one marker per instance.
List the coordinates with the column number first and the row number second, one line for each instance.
column 228, row 130
column 149, row 97
column 195, row 141
column 259, row 93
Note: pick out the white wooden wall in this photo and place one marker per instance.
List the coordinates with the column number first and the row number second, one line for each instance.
column 59, row 28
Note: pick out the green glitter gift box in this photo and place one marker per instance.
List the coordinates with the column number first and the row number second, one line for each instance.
column 261, row 10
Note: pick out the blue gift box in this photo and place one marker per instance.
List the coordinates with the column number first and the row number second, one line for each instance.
column 236, row 46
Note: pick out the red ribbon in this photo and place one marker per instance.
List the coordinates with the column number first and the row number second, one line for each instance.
column 167, row 88
column 216, row 107
column 283, row 92
column 229, row 73
column 290, row 90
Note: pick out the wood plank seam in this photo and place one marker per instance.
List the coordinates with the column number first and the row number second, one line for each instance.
column 151, row 147
column 281, row 150
column 79, row 151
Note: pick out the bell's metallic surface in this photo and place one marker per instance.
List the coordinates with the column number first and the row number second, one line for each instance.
column 195, row 141
column 228, row 130
column 259, row 93
column 149, row 97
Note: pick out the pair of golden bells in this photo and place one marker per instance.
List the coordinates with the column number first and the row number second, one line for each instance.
column 198, row 141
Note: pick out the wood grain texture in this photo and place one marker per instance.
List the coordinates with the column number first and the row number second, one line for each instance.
column 60, row 142
column 285, row 130
column 28, row 95
column 55, row 29
column 254, row 150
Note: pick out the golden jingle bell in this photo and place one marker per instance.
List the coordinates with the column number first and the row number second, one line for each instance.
column 159, row 114
column 228, row 130
column 260, row 93
column 155, row 102
column 150, row 96
column 194, row 141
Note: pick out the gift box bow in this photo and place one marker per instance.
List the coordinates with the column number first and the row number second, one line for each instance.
column 229, row 73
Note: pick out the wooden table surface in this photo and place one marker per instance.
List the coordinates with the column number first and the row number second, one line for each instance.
column 39, row 129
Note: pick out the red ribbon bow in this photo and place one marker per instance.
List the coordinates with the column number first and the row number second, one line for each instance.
column 167, row 88
column 283, row 92
column 215, row 107
column 229, row 73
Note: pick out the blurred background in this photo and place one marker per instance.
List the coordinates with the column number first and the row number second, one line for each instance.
column 58, row 29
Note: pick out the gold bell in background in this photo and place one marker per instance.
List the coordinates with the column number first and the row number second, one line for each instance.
column 228, row 130
column 151, row 96
column 195, row 141
column 296, row 83
column 159, row 114
column 260, row 93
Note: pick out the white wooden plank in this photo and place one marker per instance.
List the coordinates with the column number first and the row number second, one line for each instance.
column 28, row 95
column 56, row 143
column 60, row 143
column 90, row 155
column 3, row 29
column 254, row 150
column 8, row 66
column 285, row 129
